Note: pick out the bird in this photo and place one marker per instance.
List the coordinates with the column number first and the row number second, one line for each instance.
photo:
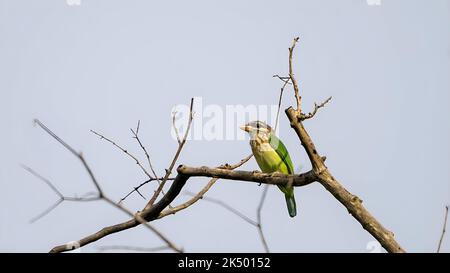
column 271, row 156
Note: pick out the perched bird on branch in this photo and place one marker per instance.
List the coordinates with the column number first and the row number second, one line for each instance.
column 271, row 156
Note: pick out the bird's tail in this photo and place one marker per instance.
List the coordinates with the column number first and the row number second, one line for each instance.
column 290, row 202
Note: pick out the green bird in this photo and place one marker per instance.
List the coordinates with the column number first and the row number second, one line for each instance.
column 271, row 156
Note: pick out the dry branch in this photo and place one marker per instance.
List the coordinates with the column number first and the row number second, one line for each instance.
column 298, row 98
column 202, row 192
column 320, row 171
column 150, row 165
column 258, row 177
column 175, row 158
column 125, row 151
column 136, row 189
column 100, row 195
column 155, row 210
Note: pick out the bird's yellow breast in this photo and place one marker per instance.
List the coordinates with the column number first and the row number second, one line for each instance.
column 267, row 158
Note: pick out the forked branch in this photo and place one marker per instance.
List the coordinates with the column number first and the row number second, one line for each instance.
column 350, row 201
column 159, row 206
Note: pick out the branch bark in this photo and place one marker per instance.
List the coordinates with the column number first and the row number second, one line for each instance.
column 258, row 177
column 140, row 217
column 318, row 173
column 350, row 201
column 184, row 173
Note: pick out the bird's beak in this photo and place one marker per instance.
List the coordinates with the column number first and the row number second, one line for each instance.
column 245, row 128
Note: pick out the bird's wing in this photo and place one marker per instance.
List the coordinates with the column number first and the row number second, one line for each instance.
column 281, row 150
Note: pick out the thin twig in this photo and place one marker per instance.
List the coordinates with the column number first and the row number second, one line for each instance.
column 149, row 213
column 45, row 180
column 283, row 79
column 124, row 151
column 174, row 160
column 75, row 153
column 136, row 136
column 286, row 82
column 47, row 211
column 61, row 198
column 298, row 98
column 316, row 108
column 101, row 195
column 443, row 230
column 88, row 199
column 136, row 189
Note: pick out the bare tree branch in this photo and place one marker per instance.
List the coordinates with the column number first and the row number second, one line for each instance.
column 184, row 173
column 175, row 158
column 283, row 79
column 101, row 195
column 298, row 98
column 75, row 153
column 125, row 151
column 143, row 222
column 149, row 213
column 316, row 108
column 257, row 224
column 45, row 180
column 443, row 230
column 47, row 210
column 200, row 195
column 151, row 178
column 61, row 199
column 137, row 220
column 136, row 136
column 136, row 189
column 286, row 82
column 202, row 192
column 157, row 209
column 190, row 202
column 350, row 201
column 258, row 177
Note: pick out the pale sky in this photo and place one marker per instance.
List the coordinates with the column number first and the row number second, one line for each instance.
column 105, row 64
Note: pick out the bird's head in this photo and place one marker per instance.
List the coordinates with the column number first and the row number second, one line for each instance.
column 257, row 128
